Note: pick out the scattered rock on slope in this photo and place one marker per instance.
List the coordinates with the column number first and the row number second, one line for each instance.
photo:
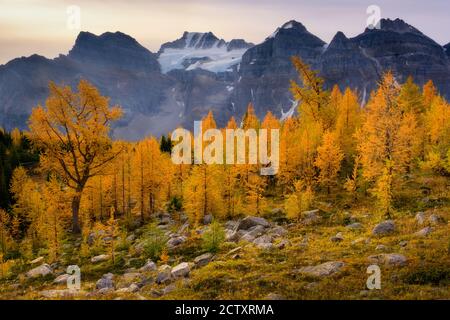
column 323, row 270
column 384, row 228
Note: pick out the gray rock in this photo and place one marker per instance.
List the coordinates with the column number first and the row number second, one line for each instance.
column 420, row 218
column 247, row 237
column 207, row 219
column 105, row 282
column 423, row 232
column 436, row 219
column 176, row 241
column 164, row 274
column 384, row 228
column 181, row 270
column 354, row 226
column 233, row 236
column 169, row 289
column 311, row 217
column 338, row 237
column 274, row 296
column 149, row 266
column 62, row 279
column 255, row 231
column 278, row 231
column 131, row 277
column 203, row 259
column 389, row 259
column 264, row 242
column 40, row 271
column 104, row 291
column 251, row 221
column 100, row 258
column 323, row 270
column 133, row 287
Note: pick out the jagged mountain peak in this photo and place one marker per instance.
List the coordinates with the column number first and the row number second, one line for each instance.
column 293, row 24
column 86, row 38
column 339, row 39
column 291, row 28
column 395, row 25
column 110, row 48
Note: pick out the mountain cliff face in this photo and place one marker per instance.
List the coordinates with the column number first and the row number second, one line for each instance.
column 199, row 72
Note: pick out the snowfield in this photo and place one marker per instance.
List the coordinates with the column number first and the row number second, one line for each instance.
column 216, row 59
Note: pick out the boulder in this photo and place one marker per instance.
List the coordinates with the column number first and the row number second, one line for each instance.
column 62, row 279
column 436, row 219
column 264, row 242
column 105, row 282
column 389, row 259
column 278, row 231
column 251, row 221
column 100, row 258
column 247, row 237
column 323, row 270
column 176, row 241
column 169, row 289
column 148, row 266
column 42, row 270
column 255, row 231
column 234, row 236
column 164, row 274
column 131, row 276
column 384, row 228
column 420, row 218
column 338, row 237
column 423, row 232
column 203, row 259
column 311, row 217
column 181, row 270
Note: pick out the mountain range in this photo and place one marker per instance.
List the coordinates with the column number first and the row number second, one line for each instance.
column 199, row 72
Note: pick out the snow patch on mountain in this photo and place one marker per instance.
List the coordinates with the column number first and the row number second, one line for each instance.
column 201, row 51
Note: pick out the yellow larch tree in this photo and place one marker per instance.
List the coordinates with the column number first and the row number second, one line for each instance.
column 72, row 132
column 328, row 160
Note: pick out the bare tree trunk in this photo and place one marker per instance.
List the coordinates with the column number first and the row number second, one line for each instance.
column 76, row 200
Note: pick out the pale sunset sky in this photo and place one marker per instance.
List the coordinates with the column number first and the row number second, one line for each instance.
column 40, row 26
